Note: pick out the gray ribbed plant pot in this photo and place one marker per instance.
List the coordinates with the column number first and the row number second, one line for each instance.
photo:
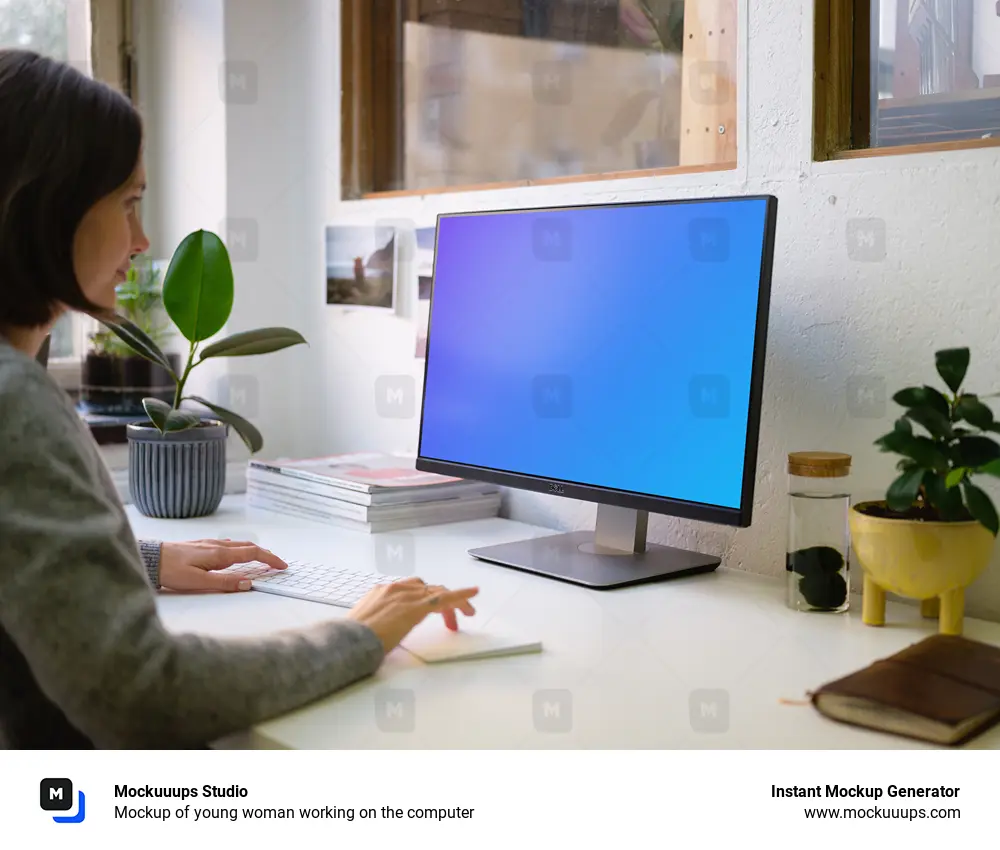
column 178, row 475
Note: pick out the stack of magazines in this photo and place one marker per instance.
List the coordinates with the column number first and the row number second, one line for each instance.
column 370, row 492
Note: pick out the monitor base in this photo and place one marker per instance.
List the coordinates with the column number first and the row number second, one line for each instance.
column 615, row 554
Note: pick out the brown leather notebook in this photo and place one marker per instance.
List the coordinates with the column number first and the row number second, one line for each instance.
column 943, row 689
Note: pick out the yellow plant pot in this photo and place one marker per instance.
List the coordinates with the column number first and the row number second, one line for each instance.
column 929, row 561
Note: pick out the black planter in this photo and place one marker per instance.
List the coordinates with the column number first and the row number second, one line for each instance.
column 116, row 386
column 180, row 474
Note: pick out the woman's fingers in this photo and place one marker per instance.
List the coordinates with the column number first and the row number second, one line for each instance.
column 464, row 605
column 443, row 600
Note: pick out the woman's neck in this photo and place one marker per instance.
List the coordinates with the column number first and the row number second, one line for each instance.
column 27, row 340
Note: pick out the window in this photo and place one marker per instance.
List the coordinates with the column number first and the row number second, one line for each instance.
column 448, row 94
column 88, row 35
column 895, row 76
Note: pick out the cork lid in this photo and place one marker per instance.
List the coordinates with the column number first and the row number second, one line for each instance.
column 819, row 464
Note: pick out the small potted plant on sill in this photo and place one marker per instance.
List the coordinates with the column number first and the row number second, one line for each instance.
column 177, row 460
column 115, row 379
column 934, row 532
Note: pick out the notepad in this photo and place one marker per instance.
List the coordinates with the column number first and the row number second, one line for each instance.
column 944, row 689
column 432, row 642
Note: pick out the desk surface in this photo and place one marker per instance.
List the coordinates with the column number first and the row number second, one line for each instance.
column 698, row 662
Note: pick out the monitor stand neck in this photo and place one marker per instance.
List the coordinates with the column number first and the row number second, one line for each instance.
column 615, row 554
column 619, row 531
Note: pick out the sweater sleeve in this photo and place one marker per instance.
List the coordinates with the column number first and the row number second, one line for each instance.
column 75, row 599
column 150, row 552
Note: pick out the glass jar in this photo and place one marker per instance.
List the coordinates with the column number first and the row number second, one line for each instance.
column 818, row 555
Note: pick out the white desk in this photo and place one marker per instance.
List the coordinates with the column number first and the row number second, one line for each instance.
column 620, row 668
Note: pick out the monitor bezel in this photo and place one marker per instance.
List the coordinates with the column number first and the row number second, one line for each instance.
column 719, row 514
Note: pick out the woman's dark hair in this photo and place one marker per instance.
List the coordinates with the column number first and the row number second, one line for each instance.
column 66, row 141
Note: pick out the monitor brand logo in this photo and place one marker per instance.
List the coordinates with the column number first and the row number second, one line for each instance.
column 558, row 489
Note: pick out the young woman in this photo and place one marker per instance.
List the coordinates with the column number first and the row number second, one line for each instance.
column 84, row 659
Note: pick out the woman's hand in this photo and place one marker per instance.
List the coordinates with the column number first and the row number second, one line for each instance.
column 393, row 610
column 191, row 565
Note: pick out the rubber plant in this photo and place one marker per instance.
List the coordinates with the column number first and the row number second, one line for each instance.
column 945, row 439
column 198, row 291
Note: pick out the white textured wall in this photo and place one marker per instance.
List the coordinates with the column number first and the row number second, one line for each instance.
column 837, row 323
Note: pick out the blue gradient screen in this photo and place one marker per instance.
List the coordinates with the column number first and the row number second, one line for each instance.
column 610, row 346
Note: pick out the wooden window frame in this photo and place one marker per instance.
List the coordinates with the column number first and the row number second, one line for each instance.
column 371, row 104
column 844, row 88
column 110, row 59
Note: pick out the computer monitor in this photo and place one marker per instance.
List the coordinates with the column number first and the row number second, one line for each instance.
column 612, row 353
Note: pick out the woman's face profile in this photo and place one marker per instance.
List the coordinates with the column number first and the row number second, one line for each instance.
column 108, row 237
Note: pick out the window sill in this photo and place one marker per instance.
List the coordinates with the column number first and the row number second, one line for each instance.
column 551, row 181
column 66, row 371
column 903, row 150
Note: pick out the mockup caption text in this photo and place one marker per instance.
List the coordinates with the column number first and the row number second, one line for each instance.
column 869, row 792
column 215, row 803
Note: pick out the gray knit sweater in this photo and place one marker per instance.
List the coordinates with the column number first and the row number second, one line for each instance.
column 84, row 659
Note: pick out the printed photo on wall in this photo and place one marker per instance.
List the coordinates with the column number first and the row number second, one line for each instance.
column 425, row 262
column 361, row 266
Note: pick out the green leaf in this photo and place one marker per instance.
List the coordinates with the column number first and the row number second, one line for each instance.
column 976, row 451
column 954, row 477
column 948, row 503
column 923, row 397
column 929, row 454
column 165, row 418
column 981, row 507
column 138, row 341
column 897, row 441
column 262, row 341
column 198, row 287
column 903, row 491
column 903, row 424
column 248, row 433
column 952, row 364
column 973, row 411
column 991, row 468
column 936, row 424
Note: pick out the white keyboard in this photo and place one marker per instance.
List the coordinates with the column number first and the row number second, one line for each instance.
column 313, row 582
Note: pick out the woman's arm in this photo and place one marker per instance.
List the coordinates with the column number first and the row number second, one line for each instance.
column 74, row 600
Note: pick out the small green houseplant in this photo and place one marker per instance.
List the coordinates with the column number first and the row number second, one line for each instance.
column 114, row 378
column 934, row 532
column 177, row 442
